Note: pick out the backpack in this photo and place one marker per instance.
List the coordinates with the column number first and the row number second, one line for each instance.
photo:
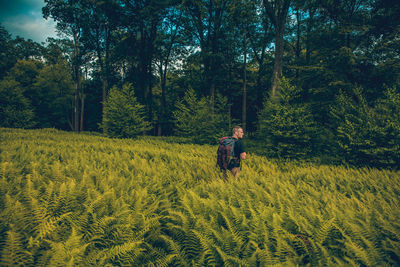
column 225, row 152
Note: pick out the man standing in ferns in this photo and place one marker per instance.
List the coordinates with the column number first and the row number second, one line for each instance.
column 239, row 152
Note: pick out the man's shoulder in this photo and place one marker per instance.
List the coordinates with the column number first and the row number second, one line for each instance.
column 240, row 145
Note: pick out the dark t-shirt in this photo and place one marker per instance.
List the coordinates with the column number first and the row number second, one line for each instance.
column 238, row 149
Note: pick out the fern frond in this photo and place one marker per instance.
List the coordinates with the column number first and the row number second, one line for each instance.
column 324, row 230
column 207, row 250
column 165, row 261
column 175, row 248
column 359, row 253
column 265, row 257
column 13, row 252
column 124, row 254
column 229, row 260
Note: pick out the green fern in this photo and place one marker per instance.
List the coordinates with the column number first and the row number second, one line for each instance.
column 124, row 254
column 75, row 199
column 180, row 258
column 70, row 252
column 13, row 252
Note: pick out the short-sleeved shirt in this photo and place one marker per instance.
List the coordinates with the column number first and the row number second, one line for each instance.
column 238, row 149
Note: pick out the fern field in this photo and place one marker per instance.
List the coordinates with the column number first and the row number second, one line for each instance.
column 71, row 199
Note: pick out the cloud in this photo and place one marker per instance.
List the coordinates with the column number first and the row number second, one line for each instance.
column 24, row 18
column 17, row 7
column 37, row 29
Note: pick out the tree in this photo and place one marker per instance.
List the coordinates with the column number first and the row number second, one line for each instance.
column 347, row 16
column 7, row 52
column 383, row 43
column 368, row 135
column 277, row 11
column 141, row 20
column 27, row 49
column 15, row 109
column 260, row 37
column 194, row 120
column 286, row 126
column 243, row 18
column 123, row 115
column 55, row 88
column 171, row 48
column 207, row 21
column 58, row 50
column 98, row 36
column 69, row 15
column 25, row 73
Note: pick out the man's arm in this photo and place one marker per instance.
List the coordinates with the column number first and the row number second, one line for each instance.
column 242, row 152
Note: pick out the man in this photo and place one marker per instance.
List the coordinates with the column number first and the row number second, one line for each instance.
column 239, row 152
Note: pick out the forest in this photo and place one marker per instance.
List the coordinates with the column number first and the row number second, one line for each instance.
column 306, row 79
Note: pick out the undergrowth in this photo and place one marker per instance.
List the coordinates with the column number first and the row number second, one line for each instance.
column 70, row 199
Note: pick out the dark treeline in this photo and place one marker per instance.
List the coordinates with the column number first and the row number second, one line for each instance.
column 305, row 78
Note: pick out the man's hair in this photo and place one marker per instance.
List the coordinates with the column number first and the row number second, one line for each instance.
column 235, row 129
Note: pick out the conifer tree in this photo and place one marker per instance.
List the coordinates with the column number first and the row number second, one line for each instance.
column 123, row 115
column 194, row 119
column 286, row 126
column 368, row 135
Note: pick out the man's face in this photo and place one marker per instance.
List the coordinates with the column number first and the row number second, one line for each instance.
column 240, row 133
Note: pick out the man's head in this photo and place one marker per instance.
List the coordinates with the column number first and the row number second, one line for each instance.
column 237, row 132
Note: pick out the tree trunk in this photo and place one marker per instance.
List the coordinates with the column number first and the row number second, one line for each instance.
column 260, row 87
column 103, row 67
column 298, row 48
column 82, row 110
column 104, row 85
column 76, row 103
column 77, row 82
column 70, row 123
column 278, row 61
column 277, row 12
column 163, row 98
column 105, row 71
column 244, row 100
column 260, row 73
column 212, row 94
column 308, row 37
column 150, row 95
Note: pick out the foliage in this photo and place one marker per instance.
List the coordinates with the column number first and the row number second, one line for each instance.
column 286, row 126
column 80, row 200
column 123, row 115
column 195, row 119
column 25, row 72
column 165, row 47
column 369, row 135
column 7, row 56
column 15, row 109
column 55, row 87
column 48, row 90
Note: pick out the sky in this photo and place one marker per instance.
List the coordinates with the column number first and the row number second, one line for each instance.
column 25, row 19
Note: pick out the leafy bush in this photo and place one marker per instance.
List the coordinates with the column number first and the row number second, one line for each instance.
column 369, row 135
column 123, row 115
column 195, row 120
column 287, row 127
